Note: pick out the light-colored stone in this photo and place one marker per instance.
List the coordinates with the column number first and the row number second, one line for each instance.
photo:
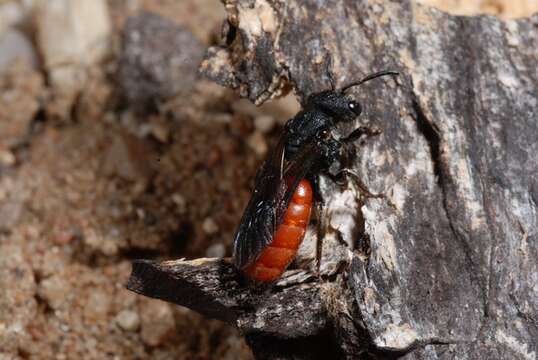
column 257, row 142
column 180, row 202
column 217, row 250
column 16, row 45
column 507, row 9
column 264, row 123
column 128, row 320
column 11, row 13
column 157, row 322
column 7, row 158
column 97, row 305
column 73, row 32
column 72, row 35
column 54, row 291
column 209, row 226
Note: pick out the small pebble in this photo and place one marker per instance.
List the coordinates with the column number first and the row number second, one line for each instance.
column 71, row 36
column 257, row 142
column 16, row 45
column 209, row 226
column 149, row 70
column 7, row 158
column 128, row 320
column 264, row 123
column 109, row 247
column 97, row 305
column 216, row 251
column 54, row 291
column 12, row 13
column 156, row 322
column 180, row 201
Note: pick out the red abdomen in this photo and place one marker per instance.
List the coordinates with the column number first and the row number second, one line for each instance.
column 276, row 257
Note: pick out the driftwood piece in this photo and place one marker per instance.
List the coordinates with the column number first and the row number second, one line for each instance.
column 444, row 267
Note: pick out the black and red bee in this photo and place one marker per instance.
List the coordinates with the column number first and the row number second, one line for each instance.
column 276, row 218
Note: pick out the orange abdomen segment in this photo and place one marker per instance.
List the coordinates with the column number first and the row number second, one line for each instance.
column 276, row 257
column 288, row 236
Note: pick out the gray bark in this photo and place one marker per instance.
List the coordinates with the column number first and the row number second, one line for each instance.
column 446, row 266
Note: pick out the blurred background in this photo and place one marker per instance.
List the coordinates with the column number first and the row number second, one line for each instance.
column 113, row 149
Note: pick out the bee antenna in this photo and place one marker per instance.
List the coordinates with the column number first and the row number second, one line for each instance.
column 330, row 75
column 367, row 78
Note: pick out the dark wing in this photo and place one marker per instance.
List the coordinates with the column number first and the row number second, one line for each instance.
column 274, row 187
column 255, row 229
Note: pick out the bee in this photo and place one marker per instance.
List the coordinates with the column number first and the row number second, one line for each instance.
column 275, row 220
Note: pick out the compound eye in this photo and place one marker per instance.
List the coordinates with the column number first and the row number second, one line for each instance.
column 355, row 107
column 324, row 133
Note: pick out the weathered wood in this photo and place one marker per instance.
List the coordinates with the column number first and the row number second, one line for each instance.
column 214, row 288
column 445, row 266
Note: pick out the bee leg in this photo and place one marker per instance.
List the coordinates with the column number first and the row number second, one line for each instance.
column 322, row 229
column 320, row 226
column 363, row 188
column 359, row 132
column 358, row 181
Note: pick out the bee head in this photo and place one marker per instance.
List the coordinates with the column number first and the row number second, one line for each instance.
column 337, row 104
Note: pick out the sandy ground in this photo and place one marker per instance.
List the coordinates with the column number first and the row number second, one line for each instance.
column 82, row 197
